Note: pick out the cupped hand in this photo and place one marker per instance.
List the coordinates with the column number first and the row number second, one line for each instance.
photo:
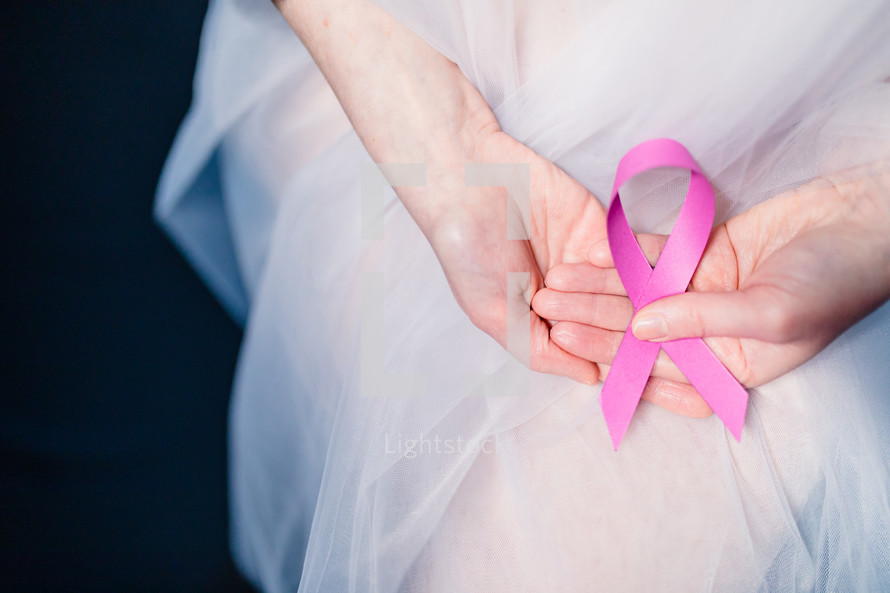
column 409, row 104
column 537, row 218
column 774, row 287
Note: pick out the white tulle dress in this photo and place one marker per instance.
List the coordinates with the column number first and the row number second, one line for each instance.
column 455, row 487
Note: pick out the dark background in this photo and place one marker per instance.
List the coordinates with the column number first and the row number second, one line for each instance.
column 115, row 362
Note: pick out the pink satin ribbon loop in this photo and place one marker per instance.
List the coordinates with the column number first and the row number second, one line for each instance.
column 672, row 274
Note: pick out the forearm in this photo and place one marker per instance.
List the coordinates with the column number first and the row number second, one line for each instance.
column 407, row 102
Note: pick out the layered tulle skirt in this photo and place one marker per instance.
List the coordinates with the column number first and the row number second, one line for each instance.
column 380, row 442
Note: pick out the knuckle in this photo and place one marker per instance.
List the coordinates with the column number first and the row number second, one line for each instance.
column 695, row 322
column 779, row 324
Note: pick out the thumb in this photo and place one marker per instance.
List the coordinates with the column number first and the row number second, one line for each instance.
column 758, row 312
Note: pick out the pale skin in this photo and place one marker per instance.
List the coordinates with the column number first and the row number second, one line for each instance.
column 409, row 104
column 774, row 287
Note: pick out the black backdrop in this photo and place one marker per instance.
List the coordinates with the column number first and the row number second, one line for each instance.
column 115, row 362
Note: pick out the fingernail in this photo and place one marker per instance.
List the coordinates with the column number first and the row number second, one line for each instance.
column 587, row 380
column 650, row 327
column 560, row 335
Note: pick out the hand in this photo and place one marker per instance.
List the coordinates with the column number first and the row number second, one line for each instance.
column 774, row 287
column 470, row 238
column 409, row 104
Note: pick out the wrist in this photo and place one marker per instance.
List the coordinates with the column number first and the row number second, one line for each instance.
column 406, row 101
column 866, row 200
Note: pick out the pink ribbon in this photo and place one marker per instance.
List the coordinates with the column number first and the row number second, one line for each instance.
column 673, row 271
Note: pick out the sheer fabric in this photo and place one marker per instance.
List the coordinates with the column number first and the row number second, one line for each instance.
column 480, row 475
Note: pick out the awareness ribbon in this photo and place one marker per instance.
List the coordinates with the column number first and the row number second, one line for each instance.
column 671, row 275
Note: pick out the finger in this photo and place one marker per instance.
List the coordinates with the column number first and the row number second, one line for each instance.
column 584, row 278
column 678, row 397
column 761, row 313
column 599, row 310
column 600, row 346
column 526, row 336
column 652, row 245
column 547, row 357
